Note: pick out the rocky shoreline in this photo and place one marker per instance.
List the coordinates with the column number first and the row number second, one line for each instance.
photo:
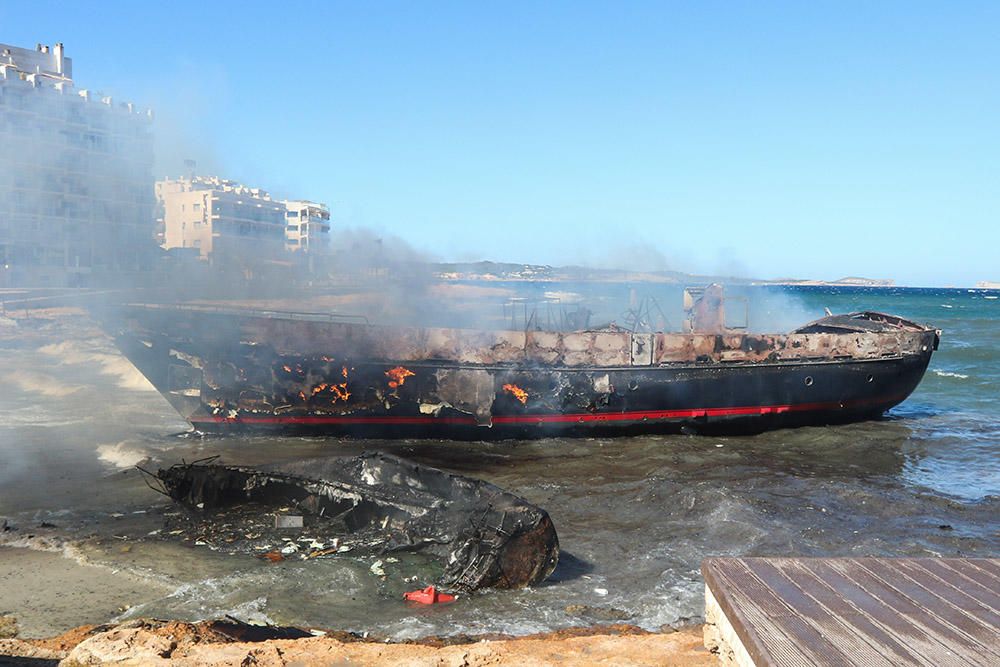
column 229, row 642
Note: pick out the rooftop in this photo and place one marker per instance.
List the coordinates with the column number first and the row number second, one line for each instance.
column 43, row 60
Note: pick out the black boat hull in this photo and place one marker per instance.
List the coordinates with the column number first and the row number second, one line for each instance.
column 704, row 400
column 233, row 373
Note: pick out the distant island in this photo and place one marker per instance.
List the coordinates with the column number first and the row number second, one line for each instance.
column 849, row 281
column 508, row 271
column 988, row 284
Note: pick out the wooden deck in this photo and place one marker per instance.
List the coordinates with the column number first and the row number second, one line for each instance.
column 932, row 612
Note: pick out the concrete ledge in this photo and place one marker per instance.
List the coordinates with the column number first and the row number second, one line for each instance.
column 721, row 637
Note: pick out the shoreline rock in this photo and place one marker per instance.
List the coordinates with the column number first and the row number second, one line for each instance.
column 154, row 642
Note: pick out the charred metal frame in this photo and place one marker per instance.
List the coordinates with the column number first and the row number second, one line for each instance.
column 486, row 537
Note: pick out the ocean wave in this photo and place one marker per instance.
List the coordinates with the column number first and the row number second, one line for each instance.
column 121, row 455
column 113, row 365
column 54, row 544
column 73, row 550
column 41, row 383
column 37, row 415
column 950, row 374
column 214, row 597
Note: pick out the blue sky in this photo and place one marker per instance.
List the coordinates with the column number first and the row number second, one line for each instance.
column 806, row 139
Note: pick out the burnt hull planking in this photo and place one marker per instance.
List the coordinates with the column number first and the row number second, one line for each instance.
column 229, row 372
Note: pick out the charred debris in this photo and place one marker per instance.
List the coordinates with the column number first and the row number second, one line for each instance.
column 372, row 504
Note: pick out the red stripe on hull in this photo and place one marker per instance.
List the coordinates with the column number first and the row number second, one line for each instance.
column 688, row 413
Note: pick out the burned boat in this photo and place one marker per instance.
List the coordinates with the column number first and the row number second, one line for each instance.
column 486, row 537
column 236, row 369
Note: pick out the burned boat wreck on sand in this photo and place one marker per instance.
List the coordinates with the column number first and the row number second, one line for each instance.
column 237, row 369
column 375, row 503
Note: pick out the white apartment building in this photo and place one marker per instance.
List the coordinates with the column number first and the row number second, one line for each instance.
column 307, row 226
column 224, row 221
column 76, row 184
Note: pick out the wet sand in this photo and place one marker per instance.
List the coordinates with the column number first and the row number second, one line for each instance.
column 48, row 592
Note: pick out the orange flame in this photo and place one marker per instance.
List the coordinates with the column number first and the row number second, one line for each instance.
column 302, row 395
column 517, row 393
column 397, row 376
column 288, row 369
column 344, row 371
column 318, row 388
column 340, row 392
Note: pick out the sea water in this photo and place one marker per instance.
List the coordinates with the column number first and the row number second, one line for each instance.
column 635, row 516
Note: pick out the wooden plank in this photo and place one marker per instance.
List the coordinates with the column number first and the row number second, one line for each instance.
column 934, row 641
column 865, row 640
column 972, row 571
column 861, row 611
column 990, row 565
column 748, row 603
column 942, row 605
column 946, row 578
column 951, row 594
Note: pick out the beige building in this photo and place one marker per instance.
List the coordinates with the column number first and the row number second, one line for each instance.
column 222, row 220
column 307, row 226
column 76, row 184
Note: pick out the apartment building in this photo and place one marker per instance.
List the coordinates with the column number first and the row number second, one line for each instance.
column 307, row 226
column 76, row 184
column 220, row 220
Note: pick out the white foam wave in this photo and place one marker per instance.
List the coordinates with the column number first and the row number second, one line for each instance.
column 252, row 611
column 949, row 374
column 40, row 383
column 208, row 598
column 37, row 415
column 71, row 550
column 47, row 543
column 113, row 365
column 121, row 455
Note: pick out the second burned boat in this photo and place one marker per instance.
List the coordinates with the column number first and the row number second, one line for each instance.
column 484, row 536
column 237, row 369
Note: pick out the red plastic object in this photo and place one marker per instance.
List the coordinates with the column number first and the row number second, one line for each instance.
column 429, row 595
